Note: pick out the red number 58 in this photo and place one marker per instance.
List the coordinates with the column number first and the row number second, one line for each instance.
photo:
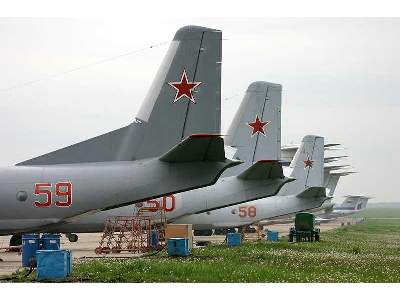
column 247, row 211
column 61, row 189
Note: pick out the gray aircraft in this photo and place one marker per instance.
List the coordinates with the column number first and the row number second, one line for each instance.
column 351, row 205
column 331, row 176
column 257, row 125
column 331, row 179
column 305, row 193
column 165, row 150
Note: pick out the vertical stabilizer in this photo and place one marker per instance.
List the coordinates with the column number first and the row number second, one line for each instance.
column 307, row 166
column 332, row 184
column 184, row 99
column 255, row 132
column 327, row 176
column 333, row 179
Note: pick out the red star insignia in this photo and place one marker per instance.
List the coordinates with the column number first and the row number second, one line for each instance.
column 308, row 163
column 184, row 87
column 258, row 126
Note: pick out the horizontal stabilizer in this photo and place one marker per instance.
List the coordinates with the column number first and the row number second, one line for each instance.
column 331, row 145
column 313, row 192
column 288, row 151
column 296, row 146
column 197, row 147
column 343, row 173
column 358, row 196
column 263, row 169
column 334, row 158
column 334, row 148
column 331, row 168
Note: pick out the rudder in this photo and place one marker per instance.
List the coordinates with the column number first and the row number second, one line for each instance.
column 307, row 165
column 255, row 131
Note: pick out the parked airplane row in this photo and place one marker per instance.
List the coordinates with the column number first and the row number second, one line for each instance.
column 329, row 210
column 173, row 156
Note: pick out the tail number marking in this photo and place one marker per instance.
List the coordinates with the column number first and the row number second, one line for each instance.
column 247, row 211
column 167, row 203
column 171, row 206
column 40, row 189
column 61, row 190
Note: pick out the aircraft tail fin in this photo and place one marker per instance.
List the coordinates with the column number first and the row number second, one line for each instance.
column 364, row 203
column 332, row 181
column 308, row 163
column 263, row 169
column 255, row 131
column 354, row 203
column 183, row 99
column 332, row 184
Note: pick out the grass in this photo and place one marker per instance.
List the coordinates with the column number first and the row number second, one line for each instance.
column 367, row 252
column 380, row 213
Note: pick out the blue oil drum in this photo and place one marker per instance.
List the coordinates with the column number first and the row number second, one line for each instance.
column 233, row 239
column 50, row 241
column 30, row 244
column 272, row 236
column 154, row 241
column 178, row 247
column 53, row 265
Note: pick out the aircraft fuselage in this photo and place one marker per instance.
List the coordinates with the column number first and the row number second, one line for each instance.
column 36, row 196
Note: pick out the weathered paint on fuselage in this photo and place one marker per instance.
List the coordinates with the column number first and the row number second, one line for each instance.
column 251, row 212
column 94, row 186
column 225, row 192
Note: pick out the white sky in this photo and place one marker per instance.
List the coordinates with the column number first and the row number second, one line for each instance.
column 340, row 80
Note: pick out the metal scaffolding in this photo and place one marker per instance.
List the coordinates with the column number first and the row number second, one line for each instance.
column 258, row 234
column 142, row 232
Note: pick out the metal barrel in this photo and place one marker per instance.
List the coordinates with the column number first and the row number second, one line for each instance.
column 30, row 244
column 50, row 241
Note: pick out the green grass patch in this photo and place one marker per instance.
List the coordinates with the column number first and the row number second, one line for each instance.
column 380, row 213
column 367, row 252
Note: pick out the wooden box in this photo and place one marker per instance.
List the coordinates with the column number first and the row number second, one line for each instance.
column 180, row 231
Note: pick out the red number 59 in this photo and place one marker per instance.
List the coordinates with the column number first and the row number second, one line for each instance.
column 62, row 189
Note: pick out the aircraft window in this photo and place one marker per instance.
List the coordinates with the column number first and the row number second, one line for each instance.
column 208, row 213
column 22, row 196
column 233, row 211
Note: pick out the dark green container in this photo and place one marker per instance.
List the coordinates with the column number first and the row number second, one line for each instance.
column 304, row 222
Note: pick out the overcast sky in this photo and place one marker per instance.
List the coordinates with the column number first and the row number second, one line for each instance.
column 340, row 80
